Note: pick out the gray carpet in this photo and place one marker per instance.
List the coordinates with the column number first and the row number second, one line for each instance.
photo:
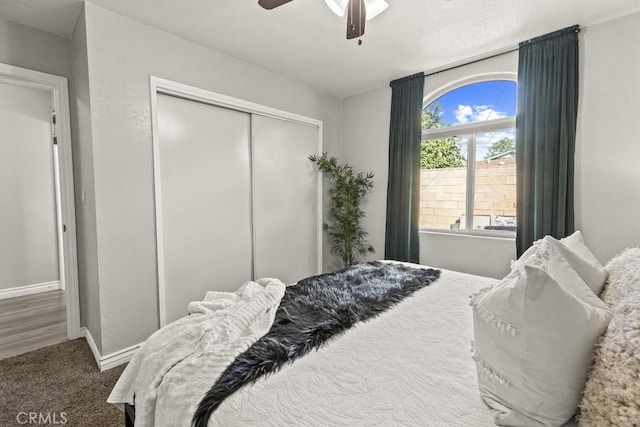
column 57, row 383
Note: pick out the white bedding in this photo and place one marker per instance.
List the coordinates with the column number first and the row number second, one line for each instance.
column 410, row 366
column 176, row 366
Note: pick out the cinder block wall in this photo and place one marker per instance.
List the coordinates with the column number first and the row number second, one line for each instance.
column 443, row 192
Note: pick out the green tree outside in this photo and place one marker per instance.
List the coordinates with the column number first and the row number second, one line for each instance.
column 443, row 152
column 499, row 147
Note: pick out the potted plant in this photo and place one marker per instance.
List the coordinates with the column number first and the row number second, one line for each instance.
column 344, row 229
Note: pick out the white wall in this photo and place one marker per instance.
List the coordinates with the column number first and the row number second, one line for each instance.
column 484, row 256
column 82, row 143
column 34, row 49
column 366, row 146
column 122, row 54
column 608, row 141
column 29, row 240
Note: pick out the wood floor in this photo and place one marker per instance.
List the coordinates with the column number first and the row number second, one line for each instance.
column 32, row 321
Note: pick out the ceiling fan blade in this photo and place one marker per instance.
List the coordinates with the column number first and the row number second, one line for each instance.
column 356, row 17
column 270, row 4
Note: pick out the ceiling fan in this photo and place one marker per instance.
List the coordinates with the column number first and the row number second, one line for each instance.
column 356, row 12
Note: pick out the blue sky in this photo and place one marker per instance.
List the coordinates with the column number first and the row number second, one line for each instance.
column 478, row 102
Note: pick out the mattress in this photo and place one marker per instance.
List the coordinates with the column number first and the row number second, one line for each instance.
column 409, row 366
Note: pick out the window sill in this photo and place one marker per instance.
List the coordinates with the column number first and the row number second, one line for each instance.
column 508, row 235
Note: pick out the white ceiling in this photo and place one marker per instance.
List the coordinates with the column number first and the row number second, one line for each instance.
column 305, row 41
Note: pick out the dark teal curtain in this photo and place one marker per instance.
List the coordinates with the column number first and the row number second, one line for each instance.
column 545, row 136
column 403, row 188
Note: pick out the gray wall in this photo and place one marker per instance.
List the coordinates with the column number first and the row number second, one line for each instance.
column 28, row 240
column 34, row 49
column 366, row 148
column 481, row 255
column 607, row 153
column 86, row 236
column 122, row 53
column 608, row 141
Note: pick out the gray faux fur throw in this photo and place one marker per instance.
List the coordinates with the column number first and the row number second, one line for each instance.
column 311, row 313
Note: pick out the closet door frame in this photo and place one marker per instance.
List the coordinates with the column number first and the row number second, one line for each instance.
column 168, row 87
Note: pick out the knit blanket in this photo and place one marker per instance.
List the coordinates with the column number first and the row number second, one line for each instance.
column 310, row 314
column 173, row 369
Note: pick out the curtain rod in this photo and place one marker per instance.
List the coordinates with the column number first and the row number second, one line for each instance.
column 553, row 35
column 473, row 61
column 505, row 51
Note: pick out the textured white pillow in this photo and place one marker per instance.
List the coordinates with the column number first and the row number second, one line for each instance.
column 577, row 255
column 560, row 262
column 582, row 261
column 529, row 252
column 534, row 335
column 575, row 242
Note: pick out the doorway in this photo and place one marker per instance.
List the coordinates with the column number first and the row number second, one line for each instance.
column 38, row 264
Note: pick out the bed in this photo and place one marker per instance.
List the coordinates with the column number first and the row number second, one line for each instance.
column 411, row 365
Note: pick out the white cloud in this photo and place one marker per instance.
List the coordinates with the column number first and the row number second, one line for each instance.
column 476, row 113
column 484, row 140
column 462, row 113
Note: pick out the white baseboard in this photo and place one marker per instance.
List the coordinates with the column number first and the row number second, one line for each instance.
column 19, row 291
column 110, row 360
column 84, row 332
column 119, row 357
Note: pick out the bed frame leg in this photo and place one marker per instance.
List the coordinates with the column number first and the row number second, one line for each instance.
column 129, row 415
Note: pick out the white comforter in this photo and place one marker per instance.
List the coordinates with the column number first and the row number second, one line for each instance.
column 411, row 366
column 176, row 366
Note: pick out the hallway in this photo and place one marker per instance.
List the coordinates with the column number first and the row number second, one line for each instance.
column 32, row 321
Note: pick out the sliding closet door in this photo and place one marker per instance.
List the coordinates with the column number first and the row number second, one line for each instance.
column 204, row 215
column 286, row 217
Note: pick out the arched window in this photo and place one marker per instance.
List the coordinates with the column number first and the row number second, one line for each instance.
column 468, row 176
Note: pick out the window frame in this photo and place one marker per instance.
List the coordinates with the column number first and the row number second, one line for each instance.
column 469, row 130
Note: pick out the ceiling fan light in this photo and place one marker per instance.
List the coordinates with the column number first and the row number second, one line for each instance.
column 375, row 8
column 337, row 6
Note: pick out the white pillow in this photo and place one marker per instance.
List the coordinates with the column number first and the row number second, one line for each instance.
column 577, row 255
column 532, row 249
column 585, row 263
column 560, row 262
column 575, row 242
column 534, row 335
column 582, row 261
